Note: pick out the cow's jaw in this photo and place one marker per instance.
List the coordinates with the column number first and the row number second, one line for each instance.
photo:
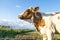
column 28, row 20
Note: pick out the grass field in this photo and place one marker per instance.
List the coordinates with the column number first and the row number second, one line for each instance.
column 21, row 34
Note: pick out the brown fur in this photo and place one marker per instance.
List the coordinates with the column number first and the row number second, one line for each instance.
column 58, row 17
column 38, row 21
column 26, row 15
column 57, row 12
column 42, row 23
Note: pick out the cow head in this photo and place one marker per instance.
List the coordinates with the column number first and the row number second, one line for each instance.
column 31, row 15
column 27, row 15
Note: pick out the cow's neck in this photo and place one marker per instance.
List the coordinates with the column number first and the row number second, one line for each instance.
column 37, row 17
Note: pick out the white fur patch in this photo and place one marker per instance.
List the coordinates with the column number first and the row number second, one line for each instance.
column 56, row 22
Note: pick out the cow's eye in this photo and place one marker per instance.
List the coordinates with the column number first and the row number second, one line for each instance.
column 28, row 13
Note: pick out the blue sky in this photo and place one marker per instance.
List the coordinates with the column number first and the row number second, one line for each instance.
column 9, row 9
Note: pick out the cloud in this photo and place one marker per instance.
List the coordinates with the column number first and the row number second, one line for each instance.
column 16, row 25
column 18, row 6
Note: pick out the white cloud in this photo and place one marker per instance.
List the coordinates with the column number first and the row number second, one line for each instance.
column 18, row 6
column 16, row 25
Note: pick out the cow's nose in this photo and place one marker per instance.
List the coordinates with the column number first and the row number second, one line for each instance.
column 19, row 16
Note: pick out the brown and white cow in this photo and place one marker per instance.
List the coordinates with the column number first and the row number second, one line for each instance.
column 46, row 24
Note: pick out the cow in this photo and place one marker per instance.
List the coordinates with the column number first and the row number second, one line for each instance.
column 46, row 24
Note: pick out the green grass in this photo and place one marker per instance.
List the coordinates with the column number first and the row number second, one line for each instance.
column 11, row 33
column 57, row 36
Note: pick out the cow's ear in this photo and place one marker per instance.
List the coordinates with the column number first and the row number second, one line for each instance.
column 30, row 8
column 35, row 9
